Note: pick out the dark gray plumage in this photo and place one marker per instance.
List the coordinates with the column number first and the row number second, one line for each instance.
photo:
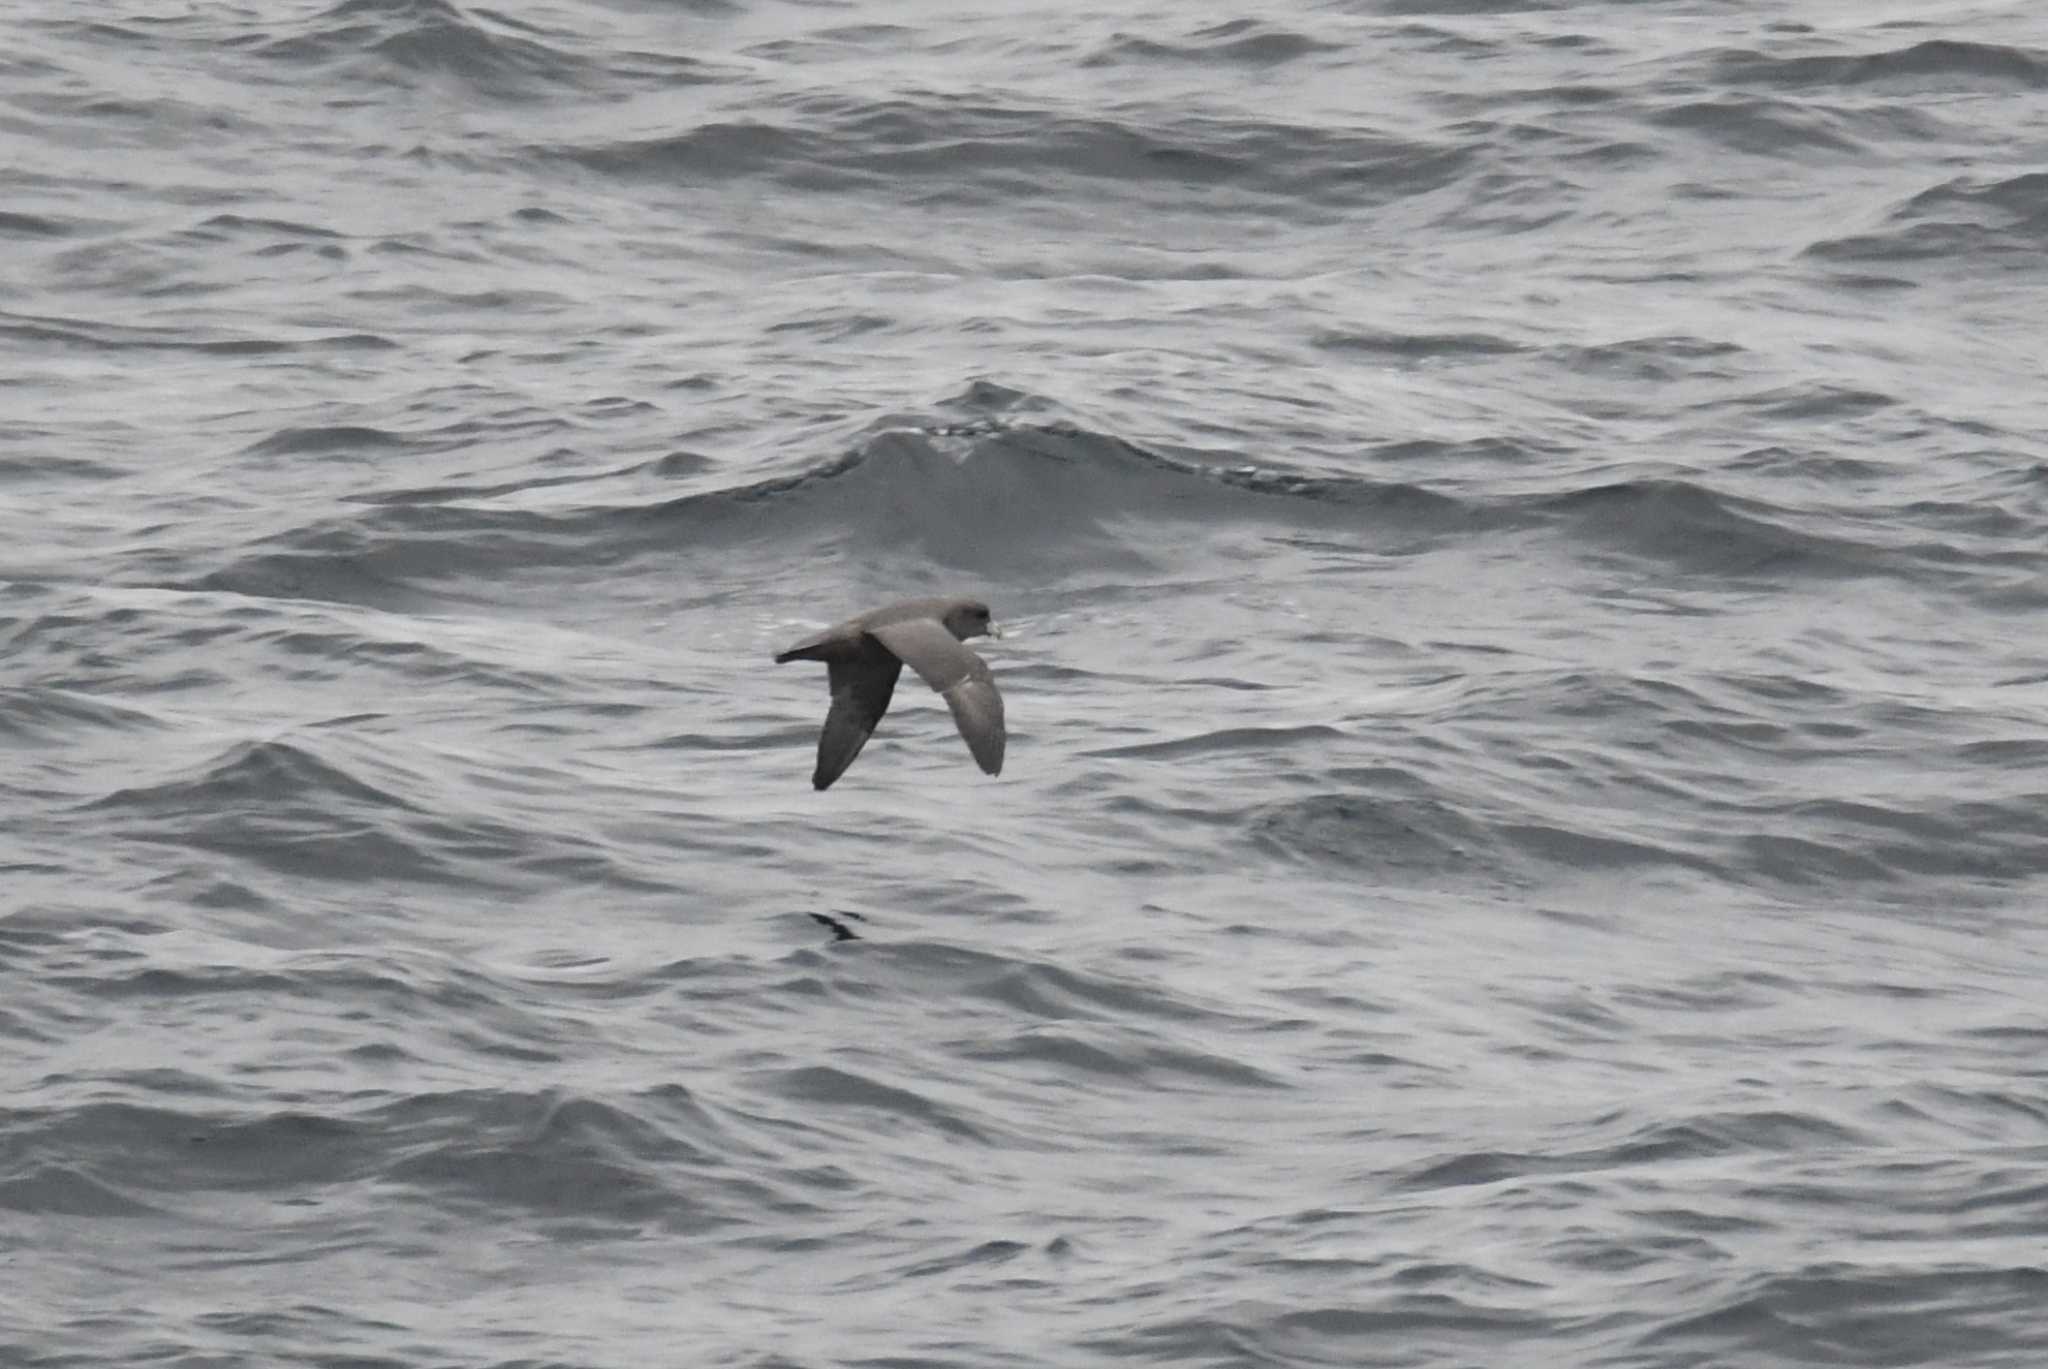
column 864, row 655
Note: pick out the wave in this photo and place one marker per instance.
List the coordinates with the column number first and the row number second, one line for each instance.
column 323, row 808
column 995, row 499
column 1968, row 223
column 943, row 149
column 1010, row 500
column 1529, row 779
column 492, row 53
column 1693, row 1138
column 1942, row 65
column 1245, row 42
column 97, row 335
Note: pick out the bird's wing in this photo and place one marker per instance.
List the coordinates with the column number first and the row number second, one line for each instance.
column 861, row 685
column 819, row 646
column 961, row 678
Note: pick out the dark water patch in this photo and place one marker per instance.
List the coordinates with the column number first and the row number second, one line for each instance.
column 649, row 1131
column 582, row 1195
column 428, row 301
column 1780, row 130
column 138, row 31
column 1586, row 95
column 56, row 924
column 1038, row 990
column 1443, row 1318
column 95, row 335
column 983, row 399
column 55, row 1189
column 2007, row 753
column 1421, row 347
column 2013, row 1115
column 1429, row 1326
column 1570, row 847
column 1773, row 688
column 1228, row 740
column 15, row 224
column 1469, row 45
column 288, row 808
column 1072, row 1053
column 43, row 464
column 1976, row 518
column 416, row 663
column 1245, row 42
column 1701, row 531
column 833, row 325
column 962, row 150
column 713, row 9
column 1011, row 501
column 1975, row 1199
column 78, row 112
column 1397, row 838
column 1964, row 222
column 225, row 227
column 328, row 578
column 157, row 982
column 258, row 775
column 986, row 1254
column 314, row 441
column 1441, row 456
column 1888, row 1313
column 2023, row 197
column 400, row 41
column 1801, row 862
column 130, row 1148
column 677, row 465
column 46, row 716
column 1035, row 496
column 1466, row 44
column 1936, row 66
column 835, row 1089
column 1628, row 707
column 1971, row 838
column 413, row 993
column 416, row 546
column 284, row 1148
column 1810, row 463
column 996, row 497
column 333, row 342
column 1701, row 1137
column 836, row 43
column 711, row 150
column 1656, row 360
column 1728, row 991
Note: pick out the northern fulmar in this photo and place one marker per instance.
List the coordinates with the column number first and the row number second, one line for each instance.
column 864, row 655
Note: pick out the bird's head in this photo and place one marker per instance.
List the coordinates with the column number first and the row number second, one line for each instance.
column 970, row 618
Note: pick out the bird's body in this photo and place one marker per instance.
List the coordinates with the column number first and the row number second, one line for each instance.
column 863, row 657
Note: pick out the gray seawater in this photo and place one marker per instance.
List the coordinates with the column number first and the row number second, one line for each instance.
column 1523, row 530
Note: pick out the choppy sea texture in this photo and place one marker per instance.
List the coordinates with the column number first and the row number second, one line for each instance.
column 1522, row 536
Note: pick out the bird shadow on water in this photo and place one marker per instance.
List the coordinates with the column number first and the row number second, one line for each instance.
column 840, row 931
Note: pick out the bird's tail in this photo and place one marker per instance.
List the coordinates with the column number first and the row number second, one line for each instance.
column 809, row 649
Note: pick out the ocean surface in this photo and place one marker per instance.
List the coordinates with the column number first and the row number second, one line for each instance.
column 1522, row 536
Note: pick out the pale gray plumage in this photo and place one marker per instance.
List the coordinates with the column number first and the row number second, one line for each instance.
column 863, row 657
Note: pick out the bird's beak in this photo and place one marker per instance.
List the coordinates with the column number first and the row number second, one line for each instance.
column 994, row 631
